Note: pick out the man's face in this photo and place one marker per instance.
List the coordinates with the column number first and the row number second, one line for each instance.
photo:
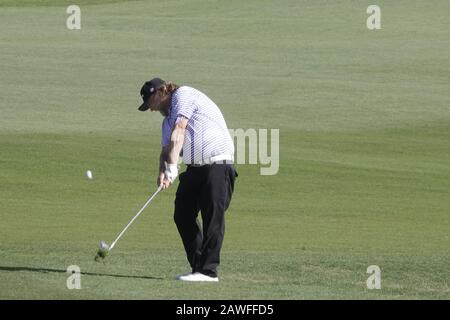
column 154, row 101
column 158, row 102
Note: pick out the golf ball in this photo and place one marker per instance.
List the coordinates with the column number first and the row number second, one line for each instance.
column 89, row 174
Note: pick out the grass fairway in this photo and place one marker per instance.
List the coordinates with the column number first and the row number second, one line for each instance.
column 364, row 119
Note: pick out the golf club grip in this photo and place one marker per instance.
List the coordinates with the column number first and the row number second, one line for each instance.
column 135, row 217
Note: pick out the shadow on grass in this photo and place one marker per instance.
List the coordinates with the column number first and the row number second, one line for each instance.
column 47, row 270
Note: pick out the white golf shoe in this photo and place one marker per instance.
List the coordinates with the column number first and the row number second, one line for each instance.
column 197, row 277
column 178, row 277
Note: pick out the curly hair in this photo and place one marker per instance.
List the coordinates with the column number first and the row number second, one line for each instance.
column 169, row 88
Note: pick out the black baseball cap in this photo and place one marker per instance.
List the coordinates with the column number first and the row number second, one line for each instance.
column 148, row 89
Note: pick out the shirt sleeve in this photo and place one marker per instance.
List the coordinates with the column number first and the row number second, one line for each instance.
column 184, row 105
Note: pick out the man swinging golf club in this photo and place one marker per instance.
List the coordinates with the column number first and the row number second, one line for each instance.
column 194, row 127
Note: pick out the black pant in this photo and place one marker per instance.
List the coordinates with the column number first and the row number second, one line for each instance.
column 207, row 189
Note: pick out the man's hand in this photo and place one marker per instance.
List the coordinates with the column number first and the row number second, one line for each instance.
column 171, row 172
column 163, row 182
column 167, row 177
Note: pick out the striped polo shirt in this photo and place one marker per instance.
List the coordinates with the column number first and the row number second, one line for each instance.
column 206, row 135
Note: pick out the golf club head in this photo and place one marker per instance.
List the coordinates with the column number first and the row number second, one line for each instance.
column 102, row 251
column 104, row 245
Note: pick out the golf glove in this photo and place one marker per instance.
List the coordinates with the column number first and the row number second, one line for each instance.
column 171, row 172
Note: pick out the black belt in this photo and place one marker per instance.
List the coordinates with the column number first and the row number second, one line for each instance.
column 214, row 162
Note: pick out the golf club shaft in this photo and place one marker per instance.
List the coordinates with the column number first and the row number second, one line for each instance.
column 135, row 217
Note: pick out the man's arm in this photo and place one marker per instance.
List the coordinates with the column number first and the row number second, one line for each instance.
column 177, row 140
column 163, row 159
column 162, row 164
column 173, row 152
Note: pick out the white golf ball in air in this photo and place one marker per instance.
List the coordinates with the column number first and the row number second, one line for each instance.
column 89, row 174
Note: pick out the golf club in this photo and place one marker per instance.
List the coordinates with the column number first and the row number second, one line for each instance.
column 104, row 248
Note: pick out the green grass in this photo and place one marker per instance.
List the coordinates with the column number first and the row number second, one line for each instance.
column 55, row 3
column 364, row 123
